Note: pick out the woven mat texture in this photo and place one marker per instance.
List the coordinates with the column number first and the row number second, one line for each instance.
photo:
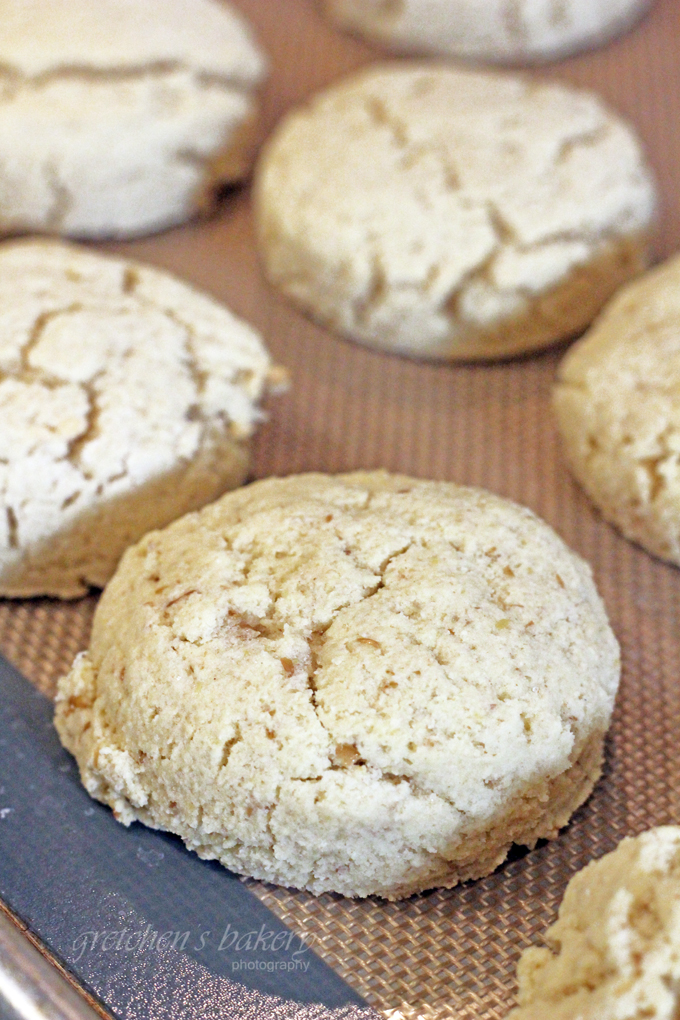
column 453, row 953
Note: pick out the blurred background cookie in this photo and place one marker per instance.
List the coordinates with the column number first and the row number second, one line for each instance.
column 452, row 214
column 492, row 30
column 614, row 953
column 119, row 117
column 126, row 399
column 363, row 683
column 617, row 400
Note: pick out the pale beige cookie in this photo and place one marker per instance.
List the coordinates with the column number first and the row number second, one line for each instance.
column 614, row 953
column 451, row 214
column 505, row 31
column 617, row 400
column 121, row 117
column 126, row 399
column 363, row 683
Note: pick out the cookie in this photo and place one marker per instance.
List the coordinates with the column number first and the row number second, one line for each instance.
column 504, row 31
column 614, row 953
column 126, row 399
column 451, row 214
column 120, row 118
column 364, row 683
column 617, row 400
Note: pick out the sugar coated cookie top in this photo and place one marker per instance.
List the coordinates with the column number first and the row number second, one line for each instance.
column 492, row 30
column 53, row 37
column 431, row 210
column 113, row 375
column 122, row 117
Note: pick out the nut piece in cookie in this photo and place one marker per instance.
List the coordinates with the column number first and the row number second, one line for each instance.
column 614, row 953
column 121, row 117
column 617, row 401
column 127, row 398
column 503, row 31
column 451, row 214
column 365, row 683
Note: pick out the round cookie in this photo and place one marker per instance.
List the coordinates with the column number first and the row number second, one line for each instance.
column 615, row 950
column 452, row 214
column 617, row 400
column 126, row 399
column 505, row 31
column 118, row 117
column 364, row 683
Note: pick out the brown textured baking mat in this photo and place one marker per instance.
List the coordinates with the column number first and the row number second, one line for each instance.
column 446, row 954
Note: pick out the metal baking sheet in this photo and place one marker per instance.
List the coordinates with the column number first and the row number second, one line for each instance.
column 449, row 953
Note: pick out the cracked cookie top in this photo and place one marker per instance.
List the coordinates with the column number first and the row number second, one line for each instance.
column 617, row 400
column 495, row 30
column 448, row 213
column 113, row 376
column 55, row 38
column 335, row 682
column 120, row 118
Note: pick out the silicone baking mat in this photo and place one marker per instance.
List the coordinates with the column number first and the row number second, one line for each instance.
column 452, row 953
